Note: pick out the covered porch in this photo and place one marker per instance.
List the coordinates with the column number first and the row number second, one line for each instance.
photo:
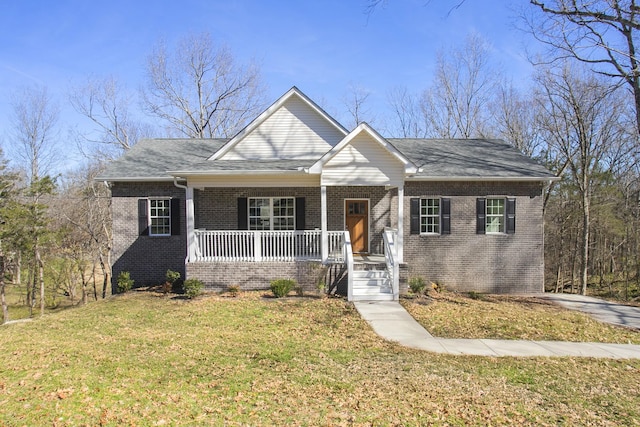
column 227, row 255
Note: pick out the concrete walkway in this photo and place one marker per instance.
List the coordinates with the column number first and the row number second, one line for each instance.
column 392, row 322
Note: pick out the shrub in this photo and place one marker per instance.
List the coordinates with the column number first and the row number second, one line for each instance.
column 282, row 287
column 476, row 296
column 193, row 288
column 322, row 286
column 438, row 287
column 171, row 278
column 125, row 282
column 417, row 285
column 234, row 290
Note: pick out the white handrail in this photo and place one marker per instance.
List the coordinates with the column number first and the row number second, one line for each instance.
column 389, row 237
column 348, row 259
column 265, row 245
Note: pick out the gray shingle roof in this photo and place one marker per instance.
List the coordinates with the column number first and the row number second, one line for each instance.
column 153, row 159
column 150, row 159
column 469, row 158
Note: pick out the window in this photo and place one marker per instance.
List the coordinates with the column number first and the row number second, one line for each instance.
column 430, row 216
column 496, row 215
column 272, row 213
column 159, row 217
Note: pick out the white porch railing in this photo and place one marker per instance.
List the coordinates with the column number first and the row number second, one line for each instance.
column 265, row 245
column 389, row 237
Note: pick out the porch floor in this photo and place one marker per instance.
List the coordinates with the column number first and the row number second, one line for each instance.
column 369, row 259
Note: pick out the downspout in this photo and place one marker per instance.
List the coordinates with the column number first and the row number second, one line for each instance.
column 175, row 182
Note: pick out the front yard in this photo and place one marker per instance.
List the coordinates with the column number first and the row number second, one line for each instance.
column 143, row 359
column 452, row 315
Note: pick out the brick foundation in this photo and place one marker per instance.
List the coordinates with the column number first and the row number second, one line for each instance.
column 218, row 276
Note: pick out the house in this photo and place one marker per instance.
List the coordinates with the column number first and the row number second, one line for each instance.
column 296, row 195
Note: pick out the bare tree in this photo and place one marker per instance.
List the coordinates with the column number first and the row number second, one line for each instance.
column 356, row 103
column 108, row 104
column 200, row 90
column 372, row 5
column 515, row 120
column 409, row 121
column 601, row 33
column 35, row 118
column 33, row 141
column 87, row 209
column 581, row 122
column 456, row 105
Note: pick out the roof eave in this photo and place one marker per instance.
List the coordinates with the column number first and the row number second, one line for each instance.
column 484, row 178
column 238, row 172
column 135, row 179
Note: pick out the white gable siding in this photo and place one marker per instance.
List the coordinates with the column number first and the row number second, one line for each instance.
column 363, row 162
column 295, row 131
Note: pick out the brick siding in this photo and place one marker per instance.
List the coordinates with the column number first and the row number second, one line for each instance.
column 462, row 260
column 147, row 258
column 466, row 261
column 218, row 276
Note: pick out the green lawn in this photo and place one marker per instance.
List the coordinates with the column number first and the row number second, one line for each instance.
column 142, row 359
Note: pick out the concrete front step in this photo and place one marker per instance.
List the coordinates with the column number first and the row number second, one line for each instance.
column 372, row 285
column 370, row 273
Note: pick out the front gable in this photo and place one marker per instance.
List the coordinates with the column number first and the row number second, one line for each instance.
column 292, row 128
column 363, row 158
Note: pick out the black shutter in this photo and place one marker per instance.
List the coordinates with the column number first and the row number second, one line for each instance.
column 300, row 224
column 243, row 214
column 143, row 222
column 175, row 217
column 414, row 212
column 481, row 207
column 445, row 216
column 511, row 216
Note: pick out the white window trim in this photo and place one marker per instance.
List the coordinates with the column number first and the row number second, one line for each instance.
column 271, row 216
column 504, row 215
column 431, row 233
column 150, row 218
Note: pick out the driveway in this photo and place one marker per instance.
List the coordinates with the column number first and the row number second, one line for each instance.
column 604, row 311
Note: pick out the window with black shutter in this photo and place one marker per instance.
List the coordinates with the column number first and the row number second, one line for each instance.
column 430, row 215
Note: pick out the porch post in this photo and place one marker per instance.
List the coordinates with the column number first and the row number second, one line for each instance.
column 323, row 223
column 191, row 235
column 400, row 248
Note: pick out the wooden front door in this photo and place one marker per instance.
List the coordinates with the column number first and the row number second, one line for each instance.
column 356, row 219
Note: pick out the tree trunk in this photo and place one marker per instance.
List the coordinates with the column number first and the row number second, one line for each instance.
column 105, row 276
column 85, row 294
column 17, row 278
column 93, row 278
column 40, row 266
column 3, row 300
column 586, row 218
column 30, row 288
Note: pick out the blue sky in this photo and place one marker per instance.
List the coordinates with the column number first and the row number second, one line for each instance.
column 321, row 46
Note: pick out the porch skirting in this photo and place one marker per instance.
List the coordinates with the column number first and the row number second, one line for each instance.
column 218, row 276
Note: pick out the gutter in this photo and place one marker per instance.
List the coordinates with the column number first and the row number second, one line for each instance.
column 480, row 178
column 239, row 172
